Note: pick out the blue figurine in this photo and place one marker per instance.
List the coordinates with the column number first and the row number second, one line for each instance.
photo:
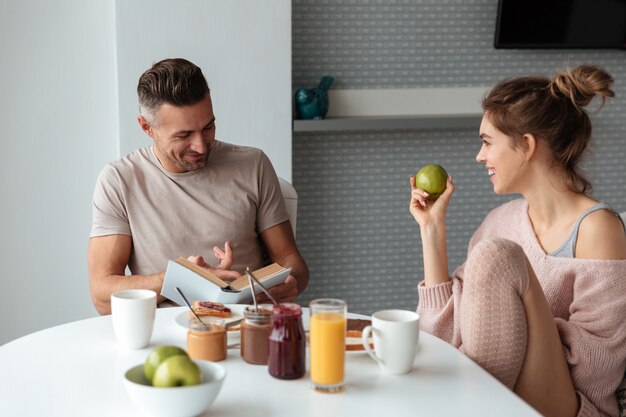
column 312, row 103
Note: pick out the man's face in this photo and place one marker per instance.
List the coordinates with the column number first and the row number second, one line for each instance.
column 182, row 135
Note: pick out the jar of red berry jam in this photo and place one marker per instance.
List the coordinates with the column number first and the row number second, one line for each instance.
column 287, row 342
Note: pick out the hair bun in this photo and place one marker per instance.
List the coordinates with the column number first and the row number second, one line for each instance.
column 582, row 84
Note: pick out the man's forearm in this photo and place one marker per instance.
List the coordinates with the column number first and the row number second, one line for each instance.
column 102, row 287
column 299, row 270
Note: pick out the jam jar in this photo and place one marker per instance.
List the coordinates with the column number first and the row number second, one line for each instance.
column 287, row 342
column 255, row 332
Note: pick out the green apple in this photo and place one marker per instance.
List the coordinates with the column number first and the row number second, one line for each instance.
column 176, row 371
column 157, row 356
column 432, row 179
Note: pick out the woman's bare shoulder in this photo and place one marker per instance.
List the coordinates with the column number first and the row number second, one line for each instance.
column 601, row 236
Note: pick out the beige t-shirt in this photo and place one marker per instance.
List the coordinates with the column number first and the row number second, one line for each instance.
column 235, row 198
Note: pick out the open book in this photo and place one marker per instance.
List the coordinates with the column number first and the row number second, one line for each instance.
column 198, row 283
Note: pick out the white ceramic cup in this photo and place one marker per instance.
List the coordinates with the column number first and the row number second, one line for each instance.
column 133, row 314
column 395, row 334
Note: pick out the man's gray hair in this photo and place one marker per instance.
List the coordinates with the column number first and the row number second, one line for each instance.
column 174, row 81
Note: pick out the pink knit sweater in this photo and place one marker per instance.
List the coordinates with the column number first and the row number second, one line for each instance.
column 587, row 298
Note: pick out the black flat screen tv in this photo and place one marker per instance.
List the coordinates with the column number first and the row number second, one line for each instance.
column 563, row 24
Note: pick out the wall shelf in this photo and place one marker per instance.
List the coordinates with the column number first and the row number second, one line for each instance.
column 393, row 109
column 439, row 121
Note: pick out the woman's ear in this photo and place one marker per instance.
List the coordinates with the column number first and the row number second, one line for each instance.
column 529, row 146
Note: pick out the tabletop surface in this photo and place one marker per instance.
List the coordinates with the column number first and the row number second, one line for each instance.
column 76, row 369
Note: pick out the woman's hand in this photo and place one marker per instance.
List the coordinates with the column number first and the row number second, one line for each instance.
column 426, row 212
column 222, row 270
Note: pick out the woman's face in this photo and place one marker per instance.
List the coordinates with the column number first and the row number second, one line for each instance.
column 505, row 163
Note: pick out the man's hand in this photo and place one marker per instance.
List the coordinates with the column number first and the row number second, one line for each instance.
column 222, row 270
column 283, row 293
column 226, row 257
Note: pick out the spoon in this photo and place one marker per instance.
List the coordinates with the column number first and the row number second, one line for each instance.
column 256, row 307
column 191, row 308
column 251, row 276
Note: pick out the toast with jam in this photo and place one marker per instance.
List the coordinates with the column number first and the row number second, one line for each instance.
column 209, row 308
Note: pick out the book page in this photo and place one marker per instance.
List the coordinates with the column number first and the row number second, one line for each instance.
column 203, row 272
column 260, row 274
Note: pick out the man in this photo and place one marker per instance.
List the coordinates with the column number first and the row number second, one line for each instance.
column 186, row 193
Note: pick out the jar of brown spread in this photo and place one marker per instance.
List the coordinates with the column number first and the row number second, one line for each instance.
column 207, row 342
column 255, row 332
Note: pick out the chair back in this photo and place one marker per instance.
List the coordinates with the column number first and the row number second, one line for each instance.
column 291, row 201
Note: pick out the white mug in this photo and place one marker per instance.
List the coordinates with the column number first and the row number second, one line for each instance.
column 133, row 314
column 396, row 333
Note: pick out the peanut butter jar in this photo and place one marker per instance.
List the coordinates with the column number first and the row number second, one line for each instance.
column 207, row 342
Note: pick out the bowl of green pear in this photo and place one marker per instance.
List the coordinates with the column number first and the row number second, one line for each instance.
column 169, row 383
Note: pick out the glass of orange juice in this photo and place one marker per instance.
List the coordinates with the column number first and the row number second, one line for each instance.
column 327, row 340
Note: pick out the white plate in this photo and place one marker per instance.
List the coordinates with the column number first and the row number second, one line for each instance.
column 234, row 337
column 182, row 319
column 356, row 352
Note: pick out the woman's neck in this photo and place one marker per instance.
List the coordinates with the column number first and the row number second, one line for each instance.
column 549, row 195
column 546, row 207
column 553, row 213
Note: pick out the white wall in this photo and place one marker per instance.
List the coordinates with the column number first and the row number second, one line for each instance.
column 58, row 123
column 244, row 50
column 68, row 74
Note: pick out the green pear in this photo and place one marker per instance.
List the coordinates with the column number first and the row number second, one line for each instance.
column 432, row 179
column 177, row 371
column 157, row 356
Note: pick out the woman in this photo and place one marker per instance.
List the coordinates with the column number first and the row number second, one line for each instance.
column 540, row 301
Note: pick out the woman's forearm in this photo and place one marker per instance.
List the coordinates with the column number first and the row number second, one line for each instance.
column 435, row 255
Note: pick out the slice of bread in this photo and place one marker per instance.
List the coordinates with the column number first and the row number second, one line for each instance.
column 357, row 324
column 209, row 308
column 354, row 332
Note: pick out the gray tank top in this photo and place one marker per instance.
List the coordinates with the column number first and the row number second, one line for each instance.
column 568, row 249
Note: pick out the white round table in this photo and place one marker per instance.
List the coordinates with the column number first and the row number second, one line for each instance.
column 76, row 369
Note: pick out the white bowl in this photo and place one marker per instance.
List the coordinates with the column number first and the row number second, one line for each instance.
column 187, row 401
